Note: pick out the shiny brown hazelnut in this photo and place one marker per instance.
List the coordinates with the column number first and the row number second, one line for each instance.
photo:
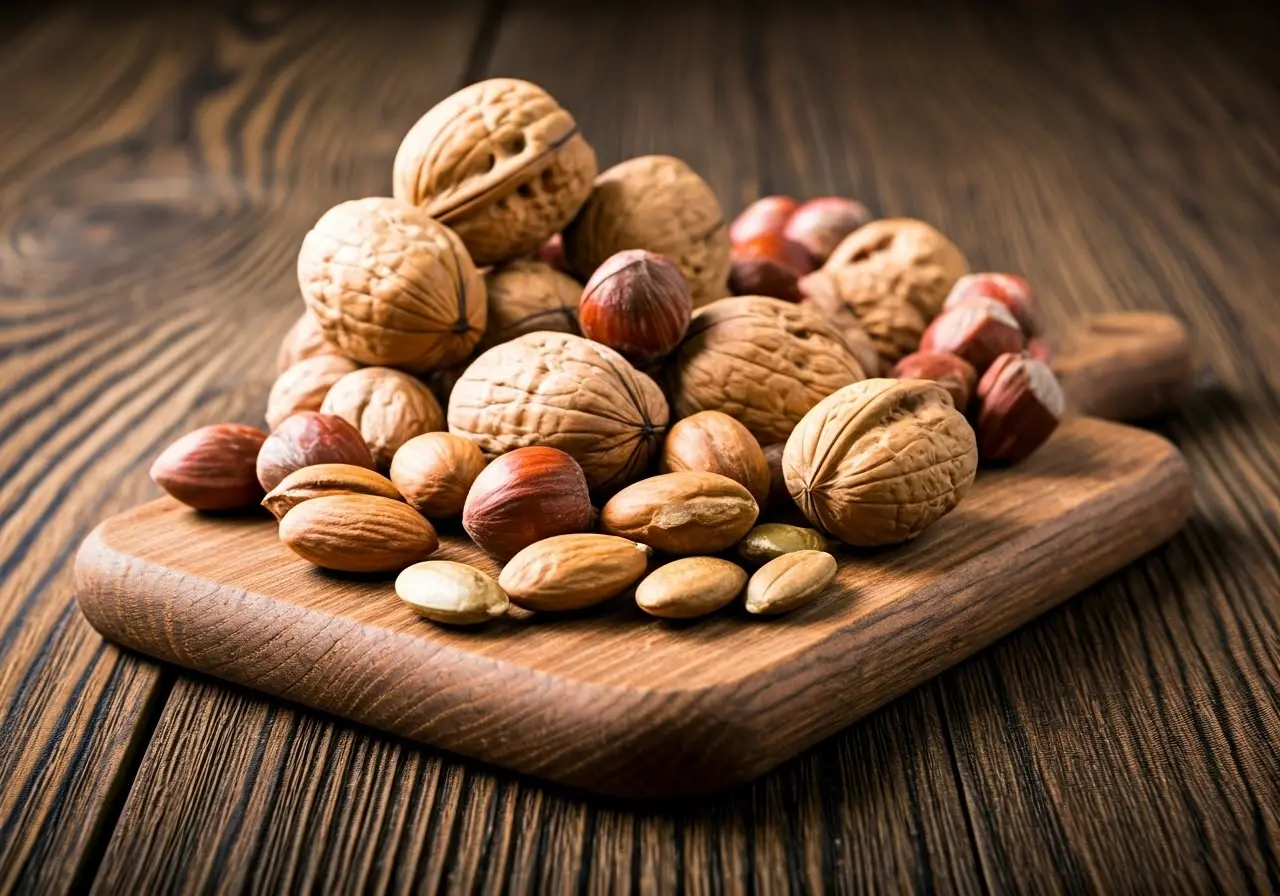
column 949, row 371
column 525, row 496
column 212, row 468
column 714, row 442
column 435, row 471
column 979, row 330
column 1010, row 290
column 768, row 265
column 309, row 438
column 764, row 217
column 637, row 303
column 1019, row 405
column 820, row 224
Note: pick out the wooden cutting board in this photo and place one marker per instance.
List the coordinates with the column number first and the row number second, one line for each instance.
column 612, row 700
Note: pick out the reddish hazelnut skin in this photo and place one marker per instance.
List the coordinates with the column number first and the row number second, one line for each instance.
column 978, row 330
column 637, row 303
column 525, row 496
column 1010, row 290
column 764, row 217
column 1041, row 349
column 769, row 265
column 820, row 224
column 308, row 438
column 949, row 371
column 1019, row 404
column 213, row 467
column 552, row 252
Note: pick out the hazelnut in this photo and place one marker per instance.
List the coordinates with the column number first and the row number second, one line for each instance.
column 435, row 471
column 952, row 372
column 212, row 468
column 551, row 253
column 713, row 442
column 1019, row 406
column 309, row 438
column 525, row 496
column 820, row 224
column 526, row 296
column 979, row 330
column 764, row 217
column 1042, row 349
column 387, row 406
column 1010, row 290
column 303, row 386
column 305, row 339
column 391, row 286
column 637, row 303
column 768, row 265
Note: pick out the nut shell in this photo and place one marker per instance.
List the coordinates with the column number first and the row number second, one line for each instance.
column 305, row 339
column 682, row 513
column 392, row 287
column 501, row 163
column 304, row 384
column 894, row 275
column 434, row 472
column 320, row 480
column 690, row 587
column 1019, row 405
column 712, row 442
column 878, row 462
column 657, row 203
column 767, row 216
column 768, row 265
column 819, row 225
column 565, row 392
column 949, row 371
column 637, row 303
column 526, row 296
column 569, row 572
column 1010, row 290
column 358, row 533
column 525, row 496
column 213, row 467
column 762, row 361
column 979, row 330
column 387, row 406
column 309, row 438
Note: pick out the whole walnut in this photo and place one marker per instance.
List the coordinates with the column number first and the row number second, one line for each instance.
column 392, row 287
column 501, row 163
column 526, row 296
column 305, row 339
column 879, row 461
column 303, row 385
column 763, row 361
column 387, row 406
column 565, row 392
column 657, row 203
column 894, row 275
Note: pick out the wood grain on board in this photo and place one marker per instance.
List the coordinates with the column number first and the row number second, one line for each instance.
column 158, row 167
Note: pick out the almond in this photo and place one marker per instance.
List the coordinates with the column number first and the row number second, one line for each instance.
column 567, row 572
column 454, row 593
column 690, row 587
column 772, row 540
column 789, row 581
column 321, row 480
column 358, row 533
column 682, row 513
column 213, row 467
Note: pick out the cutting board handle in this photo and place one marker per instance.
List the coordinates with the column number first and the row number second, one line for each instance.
column 1125, row 366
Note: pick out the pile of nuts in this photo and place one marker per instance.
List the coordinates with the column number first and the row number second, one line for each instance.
column 628, row 376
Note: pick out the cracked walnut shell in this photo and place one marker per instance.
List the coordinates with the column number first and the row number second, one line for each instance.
column 392, row 287
column 660, row 204
column 878, row 462
column 763, row 361
column 501, row 163
column 565, row 392
column 894, row 275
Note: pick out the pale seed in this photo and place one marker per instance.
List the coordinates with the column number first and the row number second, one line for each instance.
column 454, row 593
column 789, row 581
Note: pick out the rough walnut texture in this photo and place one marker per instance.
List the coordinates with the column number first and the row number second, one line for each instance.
column 526, row 296
column 657, row 203
column 304, row 340
column 567, row 392
column 763, row 361
column 501, row 163
column 392, row 287
column 894, row 275
column 850, row 328
column 879, row 461
column 387, row 406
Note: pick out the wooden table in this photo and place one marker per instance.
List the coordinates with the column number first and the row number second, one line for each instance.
column 157, row 172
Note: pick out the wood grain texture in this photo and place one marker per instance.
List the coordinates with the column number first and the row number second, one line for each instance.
column 159, row 167
column 611, row 700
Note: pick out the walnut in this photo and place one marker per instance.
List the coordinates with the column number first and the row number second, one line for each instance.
column 392, row 287
column 526, row 296
column 305, row 339
column 850, row 329
column 879, row 461
column 894, row 275
column 387, row 406
column 761, row 360
column 657, row 203
column 501, row 163
column 566, row 392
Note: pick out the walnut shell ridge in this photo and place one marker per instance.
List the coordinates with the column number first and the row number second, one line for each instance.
column 526, row 296
column 660, row 204
column 501, row 163
column 894, row 275
column 566, row 392
column 878, row 462
column 391, row 287
column 763, row 361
